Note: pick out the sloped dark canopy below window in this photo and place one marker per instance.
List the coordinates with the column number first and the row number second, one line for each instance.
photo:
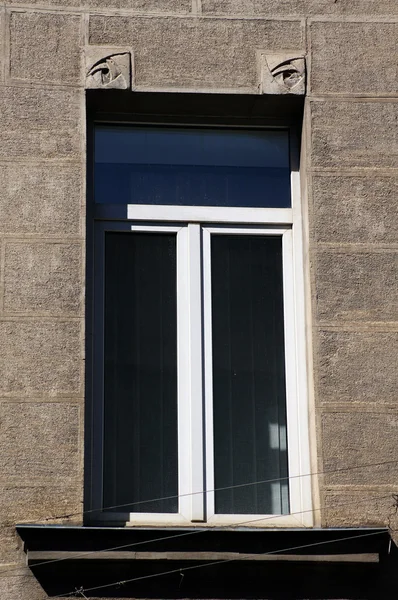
column 218, row 563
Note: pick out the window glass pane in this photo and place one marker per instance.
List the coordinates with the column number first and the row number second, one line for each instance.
column 200, row 167
column 248, row 374
column 140, row 419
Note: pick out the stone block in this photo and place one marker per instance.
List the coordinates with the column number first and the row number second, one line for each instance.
column 305, row 8
column 41, row 123
column 356, row 286
column 21, row 585
column 2, row 35
column 11, row 550
column 35, row 503
column 165, row 6
column 360, row 448
column 45, row 47
column 248, row 8
column 44, row 199
column 40, row 357
column 48, row 440
column 354, row 134
column 349, row 209
column 283, row 74
column 196, row 53
column 43, row 277
column 50, row 3
column 353, row 58
column 357, row 366
column 108, row 68
column 142, row 6
column 363, row 508
column 354, row 7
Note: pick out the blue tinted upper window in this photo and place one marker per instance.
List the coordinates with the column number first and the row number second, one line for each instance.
column 189, row 166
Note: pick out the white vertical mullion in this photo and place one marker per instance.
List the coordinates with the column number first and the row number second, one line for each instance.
column 292, row 406
column 305, row 491
column 301, row 341
column 208, row 374
column 195, row 372
column 183, row 393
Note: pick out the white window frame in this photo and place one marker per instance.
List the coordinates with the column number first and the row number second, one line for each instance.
column 194, row 226
column 290, row 374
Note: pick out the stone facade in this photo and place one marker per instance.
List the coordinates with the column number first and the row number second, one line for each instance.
column 350, row 182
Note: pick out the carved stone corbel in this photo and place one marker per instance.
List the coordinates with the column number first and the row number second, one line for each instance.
column 108, row 68
column 283, row 74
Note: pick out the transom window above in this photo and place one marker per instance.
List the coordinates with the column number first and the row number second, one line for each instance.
column 199, row 399
column 192, row 167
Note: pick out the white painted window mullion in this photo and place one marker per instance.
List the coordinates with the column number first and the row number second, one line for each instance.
column 292, row 407
column 184, row 461
column 195, row 373
column 208, row 373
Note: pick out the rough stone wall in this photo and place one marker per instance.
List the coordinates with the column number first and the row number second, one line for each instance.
column 42, row 207
column 350, row 175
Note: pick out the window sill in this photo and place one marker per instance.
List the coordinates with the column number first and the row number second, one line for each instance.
column 237, row 563
column 116, row 519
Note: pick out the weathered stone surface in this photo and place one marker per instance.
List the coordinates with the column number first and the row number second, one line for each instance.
column 44, row 277
column 44, row 199
column 2, row 35
column 41, row 123
column 354, row 58
column 40, row 357
column 34, row 503
column 152, row 6
column 359, row 438
column 358, row 366
column 169, row 6
column 196, row 53
column 48, row 440
column 354, row 134
column 10, row 546
column 45, row 47
column 252, row 7
column 49, row 3
column 28, row 502
column 272, row 8
column 356, row 286
column 357, row 508
column 350, row 209
column 21, row 585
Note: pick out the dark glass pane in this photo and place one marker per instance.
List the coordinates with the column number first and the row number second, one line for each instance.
column 140, row 436
column 197, row 167
column 248, row 374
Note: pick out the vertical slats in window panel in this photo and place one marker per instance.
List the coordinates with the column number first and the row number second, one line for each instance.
column 140, row 372
column 249, row 399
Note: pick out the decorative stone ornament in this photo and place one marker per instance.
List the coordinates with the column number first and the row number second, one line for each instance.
column 283, row 74
column 108, row 69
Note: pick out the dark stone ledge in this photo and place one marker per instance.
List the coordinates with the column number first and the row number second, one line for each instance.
column 213, row 563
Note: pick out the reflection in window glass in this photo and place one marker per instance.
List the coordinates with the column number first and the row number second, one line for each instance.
column 249, row 399
column 196, row 167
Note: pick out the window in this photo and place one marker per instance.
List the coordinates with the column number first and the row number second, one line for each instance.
column 199, row 385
